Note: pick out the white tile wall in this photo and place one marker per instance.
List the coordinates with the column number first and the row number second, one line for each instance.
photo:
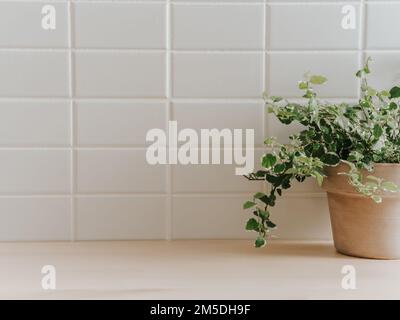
column 33, row 73
column 132, row 218
column 217, row 75
column 117, row 170
column 119, row 74
column 34, row 171
column 20, row 27
column 35, row 218
column 114, row 123
column 297, row 217
column 387, row 64
column 223, row 217
column 218, row 178
column 76, row 103
column 22, row 123
column 383, row 26
column 311, row 27
column 200, row 27
column 334, row 65
column 120, row 25
column 233, row 115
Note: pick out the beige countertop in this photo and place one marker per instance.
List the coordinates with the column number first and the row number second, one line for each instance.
column 195, row 269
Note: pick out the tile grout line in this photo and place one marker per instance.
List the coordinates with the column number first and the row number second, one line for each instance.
column 168, row 83
column 304, row 194
column 361, row 40
column 266, row 29
column 72, row 125
column 364, row 5
column 200, row 51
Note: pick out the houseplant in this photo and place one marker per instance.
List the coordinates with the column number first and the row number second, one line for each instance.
column 353, row 152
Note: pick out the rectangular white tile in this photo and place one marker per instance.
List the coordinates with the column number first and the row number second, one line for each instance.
column 217, row 75
column 120, row 74
column 305, row 1
column 121, row 218
column 310, row 185
column 118, row 170
column 119, row 25
column 118, row 123
column 385, row 72
column 301, row 218
column 284, row 70
column 35, row 219
column 210, row 26
column 22, row 24
column 311, row 26
column 35, row 123
column 218, row 1
column 32, row 73
column 383, row 26
column 208, row 178
column 34, row 171
column 235, row 115
column 218, row 217
column 223, row 217
column 281, row 131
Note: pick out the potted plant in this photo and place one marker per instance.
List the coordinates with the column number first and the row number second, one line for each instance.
column 353, row 152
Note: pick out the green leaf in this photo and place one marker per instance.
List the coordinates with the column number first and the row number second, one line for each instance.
column 249, row 204
column 279, row 191
column 260, row 242
column 355, row 156
column 309, row 94
column 252, row 225
column 371, row 184
column 319, row 177
column 291, row 171
column 376, row 198
column 268, row 160
column 395, row 93
column 270, row 224
column 270, row 178
column 373, row 178
column 276, row 99
column 385, row 93
column 390, row 186
column 371, row 92
column 263, row 214
column 378, row 131
column 318, row 79
column 330, row 158
column 259, row 195
column 279, row 168
column 303, row 85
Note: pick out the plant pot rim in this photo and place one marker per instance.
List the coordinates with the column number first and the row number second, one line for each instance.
column 379, row 164
column 383, row 164
column 336, row 183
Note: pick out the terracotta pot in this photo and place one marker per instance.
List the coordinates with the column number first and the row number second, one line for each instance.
column 360, row 226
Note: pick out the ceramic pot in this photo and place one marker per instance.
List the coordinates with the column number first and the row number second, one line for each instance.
column 360, row 226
